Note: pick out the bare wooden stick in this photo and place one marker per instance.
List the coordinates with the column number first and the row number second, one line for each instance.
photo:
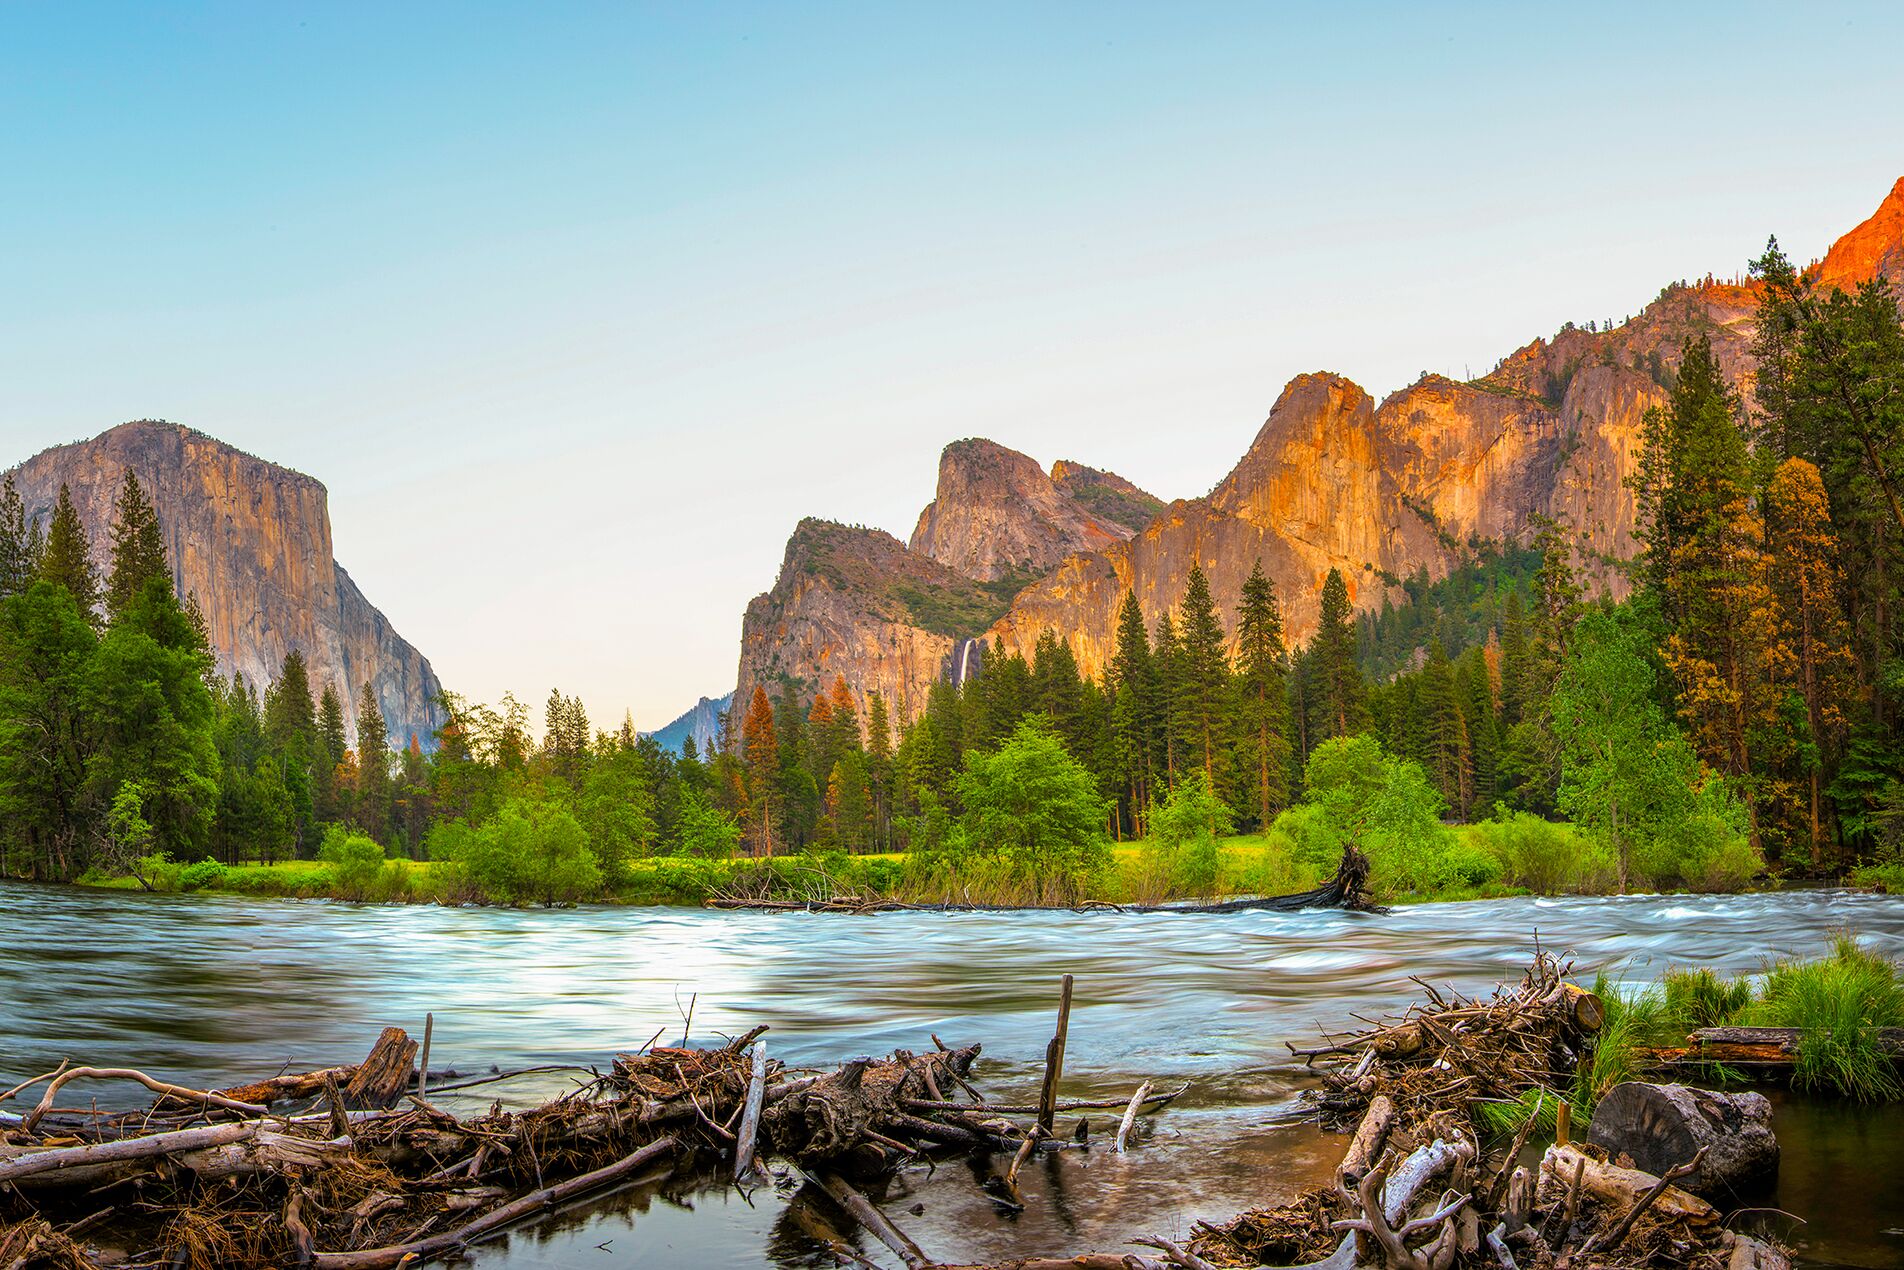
column 868, row 1215
column 750, row 1118
column 495, row 1219
column 1054, row 1061
column 423, row 1060
column 1130, row 1117
column 126, row 1073
column 28, row 1084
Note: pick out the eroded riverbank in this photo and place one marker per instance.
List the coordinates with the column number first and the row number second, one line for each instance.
column 214, row 989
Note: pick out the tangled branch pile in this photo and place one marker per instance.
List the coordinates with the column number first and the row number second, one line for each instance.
column 1421, row 1187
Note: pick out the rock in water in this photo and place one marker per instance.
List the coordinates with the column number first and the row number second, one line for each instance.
column 1663, row 1126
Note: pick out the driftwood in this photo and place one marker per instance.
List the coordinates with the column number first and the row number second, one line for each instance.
column 1762, row 1050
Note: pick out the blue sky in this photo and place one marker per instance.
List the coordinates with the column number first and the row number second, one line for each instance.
column 576, row 308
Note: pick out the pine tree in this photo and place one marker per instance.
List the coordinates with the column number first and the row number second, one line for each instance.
column 138, row 548
column 16, row 564
column 66, row 560
column 331, row 746
column 1133, row 708
column 1340, row 701
column 879, row 756
column 1444, row 745
column 1814, row 639
column 760, row 749
column 373, row 766
column 1263, row 696
column 1513, row 658
column 1705, row 548
column 1167, row 657
column 1204, row 679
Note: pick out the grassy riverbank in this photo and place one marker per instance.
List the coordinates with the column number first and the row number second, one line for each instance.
column 1483, row 861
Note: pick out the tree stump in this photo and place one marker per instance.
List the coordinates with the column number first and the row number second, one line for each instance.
column 384, row 1074
column 1660, row 1126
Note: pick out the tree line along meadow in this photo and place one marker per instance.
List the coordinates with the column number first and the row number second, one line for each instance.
column 1735, row 718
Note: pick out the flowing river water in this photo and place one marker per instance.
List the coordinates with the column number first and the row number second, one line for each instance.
column 214, row 990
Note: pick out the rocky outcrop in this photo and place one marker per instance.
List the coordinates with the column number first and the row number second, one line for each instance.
column 997, row 516
column 252, row 541
column 857, row 602
column 1106, row 493
column 1874, row 249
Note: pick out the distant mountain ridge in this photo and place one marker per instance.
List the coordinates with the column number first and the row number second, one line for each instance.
column 701, row 722
column 252, row 540
column 1332, row 480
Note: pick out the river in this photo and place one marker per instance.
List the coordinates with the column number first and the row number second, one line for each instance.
column 216, row 990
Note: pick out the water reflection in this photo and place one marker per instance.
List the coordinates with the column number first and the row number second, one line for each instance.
column 217, row 990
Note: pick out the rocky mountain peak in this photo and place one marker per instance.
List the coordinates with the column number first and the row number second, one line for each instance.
column 997, row 515
column 1875, row 249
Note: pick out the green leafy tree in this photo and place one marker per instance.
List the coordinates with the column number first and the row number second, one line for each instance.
column 1033, row 807
column 702, row 829
column 1186, row 831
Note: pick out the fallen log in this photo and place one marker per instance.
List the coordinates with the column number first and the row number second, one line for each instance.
column 1347, row 889
column 494, row 1220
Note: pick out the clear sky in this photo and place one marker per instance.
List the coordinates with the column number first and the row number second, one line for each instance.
column 577, row 309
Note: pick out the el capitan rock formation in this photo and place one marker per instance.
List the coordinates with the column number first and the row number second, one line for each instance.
column 1331, row 480
column 252, row 541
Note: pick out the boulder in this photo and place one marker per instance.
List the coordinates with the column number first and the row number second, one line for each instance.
column 1661, row 1126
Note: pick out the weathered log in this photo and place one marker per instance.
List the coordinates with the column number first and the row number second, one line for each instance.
column 26, row 1164
column 837, row 1115
column 1618, row 1188
column 1366, row 1146
column 867, row 1214
column 1659, row 1126
column 750, row 1117
column 494, row 1220
column 385, row 1073
column 163, row 1088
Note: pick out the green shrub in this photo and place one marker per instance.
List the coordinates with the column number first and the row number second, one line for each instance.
column 201, row 875
column 158, row 871
column 1272, row 869
column 1538, row 854
column 357, row 863
column 1838, row 1004
column 1888, row 878
column 1183, row 851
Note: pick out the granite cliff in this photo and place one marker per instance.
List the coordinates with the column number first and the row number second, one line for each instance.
column 1333, row 479
column 891, row 616
column 252, row 541
column 997, row 515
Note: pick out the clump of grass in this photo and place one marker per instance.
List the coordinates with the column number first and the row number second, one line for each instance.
column 1838, row 1004
column 1506, row 1117
column 1634, row 1018
column 1699, row 998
